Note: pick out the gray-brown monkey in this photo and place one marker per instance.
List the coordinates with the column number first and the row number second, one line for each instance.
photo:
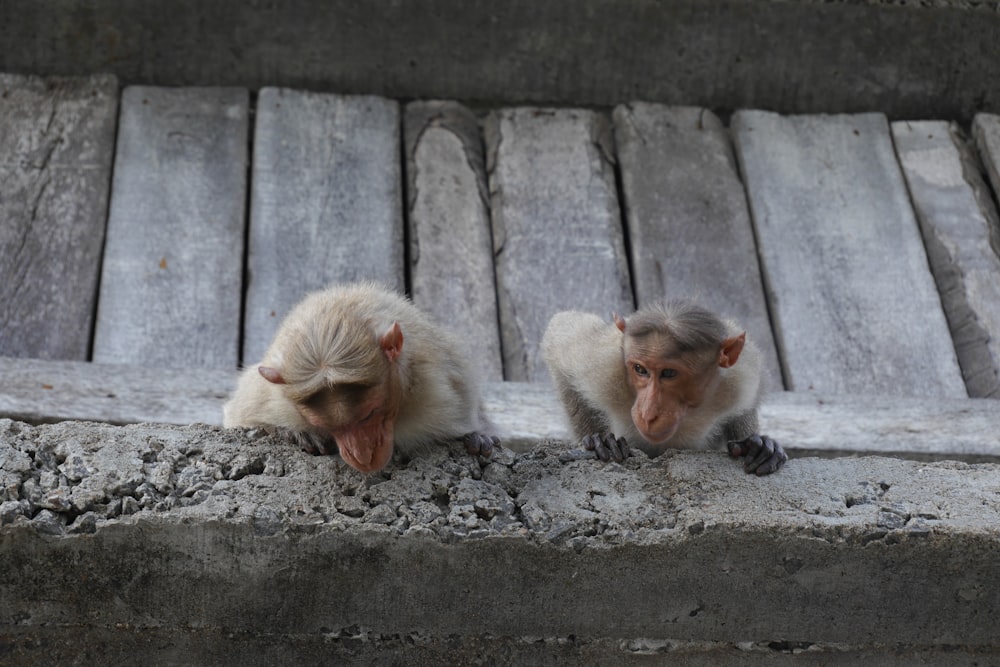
column 338, row 371
column 671, row 375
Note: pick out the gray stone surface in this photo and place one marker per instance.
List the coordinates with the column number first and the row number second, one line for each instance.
column 56, row 146
column 326, row 202
column 175, row 531
column 853, row 302
column 689, row 228
column 353, row 645
column 557, row 233
column 959, row 221
column 932, row 58
column 450, row 242
column 172, row 273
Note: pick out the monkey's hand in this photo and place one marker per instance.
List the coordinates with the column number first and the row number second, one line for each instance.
column 313, row 443
column 760, row 453
column 478, row 444
column 607, row 447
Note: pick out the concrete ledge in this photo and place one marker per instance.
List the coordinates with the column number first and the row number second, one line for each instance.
column 910, row 60
column 524, row 414
column 116, row 536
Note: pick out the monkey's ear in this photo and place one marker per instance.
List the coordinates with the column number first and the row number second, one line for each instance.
column 619, row 321
column 730, row 350
column 391, row 342
column 272, row 375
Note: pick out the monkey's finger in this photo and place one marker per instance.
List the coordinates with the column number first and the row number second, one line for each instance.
column 601, row 445
column 576, row 454
column 322, row 448
column 756, row 459
column 623, row 445
column 777, row 460
column 590, row 442
column 615, row 447
column 749, row 446
column 611, row 447
column 486, row 448
column 477, row 444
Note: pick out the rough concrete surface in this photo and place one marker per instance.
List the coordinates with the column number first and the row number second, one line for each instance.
column 924, row 59
column 522, row 414
column 194, row 544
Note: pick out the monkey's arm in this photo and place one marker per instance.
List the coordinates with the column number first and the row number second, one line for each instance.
column 761, row 454
column 584, row 358
column 259, row 403
column 591, row 427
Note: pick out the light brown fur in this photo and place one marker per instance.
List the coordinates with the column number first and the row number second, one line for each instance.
column 331, row 337
column 585, row 357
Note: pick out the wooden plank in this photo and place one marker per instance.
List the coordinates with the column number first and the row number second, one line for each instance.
column 451, row 249
column 557, row 234
column 689, row 227
column 854, row 305
column 56, row 145
column 925, row 429
column 39, row 391
column 986, row 131
column 525, row 415
column 957, row 218
column 326, row 202
column 172, row 277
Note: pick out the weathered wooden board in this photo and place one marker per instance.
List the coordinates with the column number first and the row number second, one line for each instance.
column 853, row 302
column 688, row 223
column 326, row 202
column 40, row 391
column 523, row 414
column 924, row 429
column 557, row 232
column 56, row 146
column 986, row 131
column 173, row 262
column 957, row 218
column 451, row 248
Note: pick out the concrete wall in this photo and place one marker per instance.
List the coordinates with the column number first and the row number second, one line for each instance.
column 909, row 60
column 196, row 545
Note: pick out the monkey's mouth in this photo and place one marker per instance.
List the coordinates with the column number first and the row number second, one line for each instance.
column 367, row 447
column 660, row 436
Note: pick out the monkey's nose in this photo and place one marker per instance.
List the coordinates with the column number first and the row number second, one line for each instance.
column 652, row 419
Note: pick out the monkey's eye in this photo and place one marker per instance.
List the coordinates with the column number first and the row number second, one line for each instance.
column 640, row 370
column 668, row 373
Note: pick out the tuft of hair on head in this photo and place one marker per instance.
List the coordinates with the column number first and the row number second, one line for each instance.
column 690, row 327
column 333, row 350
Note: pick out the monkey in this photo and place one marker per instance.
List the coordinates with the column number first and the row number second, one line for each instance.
column 338, row 373
column 672, row 375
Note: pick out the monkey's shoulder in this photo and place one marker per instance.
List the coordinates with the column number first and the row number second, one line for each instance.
column 257, row 402
column 574, row 337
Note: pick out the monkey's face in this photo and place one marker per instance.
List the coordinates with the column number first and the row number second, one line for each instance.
column 666, row 389
column 360, row 418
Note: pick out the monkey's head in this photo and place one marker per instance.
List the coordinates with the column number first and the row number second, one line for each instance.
column 673, row 355
column 344, row 380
